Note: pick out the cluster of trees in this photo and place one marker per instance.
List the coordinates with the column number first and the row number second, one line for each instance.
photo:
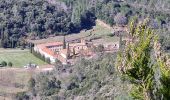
column 85, row 80
column 37, row 19
column 41, row 18
column 40, row 56
column 115, row 12
column 4, row 64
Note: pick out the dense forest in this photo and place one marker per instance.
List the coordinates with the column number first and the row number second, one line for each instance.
column 37, row 19
column 121, row 11
column 41, row 18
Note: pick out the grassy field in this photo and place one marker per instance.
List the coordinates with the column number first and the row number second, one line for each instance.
column 13, row 80
column 100, row 30
column 19, row 58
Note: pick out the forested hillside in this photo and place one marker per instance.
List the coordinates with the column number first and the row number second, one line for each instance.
column 139, row 71
column 41, row 18
column 121, row 11
column 37, row 19
column 84, row 81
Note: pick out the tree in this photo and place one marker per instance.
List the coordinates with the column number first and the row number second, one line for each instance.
column 48, row 60
column 31, row 83
column 21, row 96
column 64, row 43
column 87, row 19
column 120, row 19
column 4, row 63
column 10, row 64
column 139, row 64
column 100, row 48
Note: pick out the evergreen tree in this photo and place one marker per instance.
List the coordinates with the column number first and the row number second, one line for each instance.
column 64, row 43
column 139, row 62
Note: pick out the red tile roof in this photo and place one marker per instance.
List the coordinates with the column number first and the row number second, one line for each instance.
column 48, row 51
column 41, row 46
column 44, row 48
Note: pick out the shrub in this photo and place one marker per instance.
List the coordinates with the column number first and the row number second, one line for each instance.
column 10, row 64
column 120, row 19
column 48, row 60
column 31, row 83
column 21, row 96
column 3, row 63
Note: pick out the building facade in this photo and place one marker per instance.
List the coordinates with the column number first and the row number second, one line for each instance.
column 63, row 51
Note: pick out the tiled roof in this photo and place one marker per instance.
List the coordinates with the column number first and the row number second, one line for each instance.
column 64, row 51
column 44, row 48
column 48, row 51
column 41, row 46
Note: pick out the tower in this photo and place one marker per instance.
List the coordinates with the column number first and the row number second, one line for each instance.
column 68, row 50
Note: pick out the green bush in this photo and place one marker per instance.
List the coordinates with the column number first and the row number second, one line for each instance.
column 21, row 96
column 10, row 64
column 3, row 63
column 48, row 60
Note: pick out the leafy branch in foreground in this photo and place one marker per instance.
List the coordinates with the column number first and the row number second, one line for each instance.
column 140, row 60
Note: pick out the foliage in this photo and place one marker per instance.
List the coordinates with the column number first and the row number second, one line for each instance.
column 48, row 60
column 31, row 83
column 117, row 11
column 21, row 96
column 37, row 19
column 99, row 48
column 41, row 18
column 10, row 64
column 120, row 19
column 85, row 79
column 40, row 56
column 88, row 19
column 139, row 62
column 3, row 63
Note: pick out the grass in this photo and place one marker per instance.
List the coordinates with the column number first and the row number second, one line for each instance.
column 97, row 31
column 9, row 78
column 19, row 58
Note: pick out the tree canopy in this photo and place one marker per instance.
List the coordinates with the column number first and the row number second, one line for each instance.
column 144, row 64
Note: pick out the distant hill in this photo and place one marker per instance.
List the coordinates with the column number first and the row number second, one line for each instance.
column 40, row 18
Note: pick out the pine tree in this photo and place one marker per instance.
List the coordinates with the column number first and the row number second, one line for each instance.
column 64, row 43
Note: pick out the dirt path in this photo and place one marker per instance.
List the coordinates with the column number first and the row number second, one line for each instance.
column 41, row 69
column 103, row 24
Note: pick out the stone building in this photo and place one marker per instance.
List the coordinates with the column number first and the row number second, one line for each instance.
column 63, row 51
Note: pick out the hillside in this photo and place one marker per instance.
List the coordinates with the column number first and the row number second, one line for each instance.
column 105, row 49
column 40, row 19
column 140, row 70
column 37, row 19
column 86, row 81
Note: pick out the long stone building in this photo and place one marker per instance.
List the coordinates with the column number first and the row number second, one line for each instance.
column 63, row 51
